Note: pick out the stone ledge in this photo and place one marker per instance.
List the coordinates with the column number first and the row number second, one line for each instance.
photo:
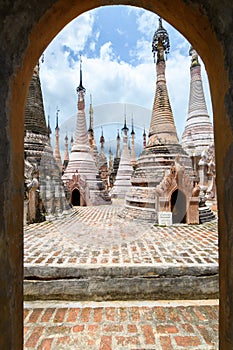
column 121, row 282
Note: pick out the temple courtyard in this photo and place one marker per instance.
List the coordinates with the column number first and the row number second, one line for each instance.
column 96, row 280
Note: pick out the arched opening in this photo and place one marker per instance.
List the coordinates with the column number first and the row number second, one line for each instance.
column 178, row 207
column 75, row 197
column 197, row 22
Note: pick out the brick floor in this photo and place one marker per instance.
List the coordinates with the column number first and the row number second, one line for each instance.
column 100, row 326
column 93, row 236
column 98, row 236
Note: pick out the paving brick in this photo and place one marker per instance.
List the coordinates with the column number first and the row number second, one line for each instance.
column 113, row 328
column 46, row 344
column 47, row 314
column 148, row 334
column 34, row 337
column 72, row 315
column 85, row 314
column 97, row 315
column 34, row 315
column 110, row 314
column 60, row 315
column 165, row 343
column 132, row 328
column 127, row 340
column 187, row 340
column 78, row 328
column 106, row 343
column 166, row 328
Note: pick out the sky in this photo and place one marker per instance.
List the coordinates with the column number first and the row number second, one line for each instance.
column 117, row 64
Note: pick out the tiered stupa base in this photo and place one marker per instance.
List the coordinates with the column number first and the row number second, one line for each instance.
column 152, row 166
column 81, row 174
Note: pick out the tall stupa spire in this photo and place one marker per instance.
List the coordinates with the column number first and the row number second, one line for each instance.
column 162, row 125
column 162, row 150
column 198, row 133
column 133, row 155
column 57, row 153
column 81, row 175
column 125, row 169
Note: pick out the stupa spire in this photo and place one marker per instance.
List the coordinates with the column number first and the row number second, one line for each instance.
column 162, row 125
column 57, row 153
column 49, row 128
column 102, row 142
column 144, row 138
column 118, row 145
column 124, row 172
column 81, row 135
column 198, row 133
column 133, row 155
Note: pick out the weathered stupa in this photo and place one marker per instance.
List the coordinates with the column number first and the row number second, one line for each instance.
column 81, row 175
column 198, row 133
column 161, row 154
column 44, row 189
column 122, row 183
column 198, row 139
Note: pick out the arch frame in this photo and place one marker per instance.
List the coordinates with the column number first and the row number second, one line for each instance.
column 207, row 25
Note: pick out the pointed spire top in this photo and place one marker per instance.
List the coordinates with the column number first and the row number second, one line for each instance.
column 58, row 110
column 102, row 140
column 144, row 132
column 118, row 135
column 90, row 130
column 194, row 59
column 80, row 87
column 160, row 43
column 125, row 128
column 49, row 128
column 132, row 132
column 66, row 138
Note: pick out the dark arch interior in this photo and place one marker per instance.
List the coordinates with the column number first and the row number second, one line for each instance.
column 178, row 207
column 75, row 199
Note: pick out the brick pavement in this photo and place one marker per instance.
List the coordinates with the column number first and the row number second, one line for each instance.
column 98, row 236
column 121, row 325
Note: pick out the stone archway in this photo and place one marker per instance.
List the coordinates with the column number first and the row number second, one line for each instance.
column 75, row 197
column 178, row 207
column 25, row 32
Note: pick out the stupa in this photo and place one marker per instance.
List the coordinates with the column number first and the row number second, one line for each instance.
column 81, row 176
column 198, row 133
column 44, row 189
column 161, row 153
column 122, row 183
column 198, row 138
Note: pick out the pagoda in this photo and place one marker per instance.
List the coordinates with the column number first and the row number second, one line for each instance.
column 44, row 189
column 161, row 153
column 198, row 135
column 122, row 182
column 81, row 176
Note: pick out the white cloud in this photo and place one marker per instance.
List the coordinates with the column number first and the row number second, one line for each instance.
column 108, row 78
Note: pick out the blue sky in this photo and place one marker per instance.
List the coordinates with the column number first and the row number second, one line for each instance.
column 118, row 66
